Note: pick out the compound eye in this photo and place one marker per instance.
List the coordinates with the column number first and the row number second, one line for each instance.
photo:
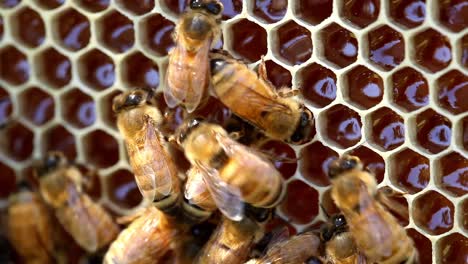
column 339, row 221
column 349, row 163
column 214, row 8
column 196, row 4
column 133, row 99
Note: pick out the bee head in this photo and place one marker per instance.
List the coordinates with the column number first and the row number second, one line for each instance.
column 214, row 7
column 304, row 128
column 343, row 164
column 339, row 221
column 186, row 128
column 51, row 161
column 129, row 100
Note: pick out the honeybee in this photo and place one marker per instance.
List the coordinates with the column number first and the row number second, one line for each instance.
column 233, row 173
column 30, row 226
column 155, row 172
column 60, row 185
column 231, row 242
column 188, row 71
column 376, row 232
column 297, row 249
column 254, row 99
column 146, row 240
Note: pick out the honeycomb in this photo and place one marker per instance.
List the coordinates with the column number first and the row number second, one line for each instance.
column 386, row 81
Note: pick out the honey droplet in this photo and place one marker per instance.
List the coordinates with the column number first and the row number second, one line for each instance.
column 410, row 171
column 388, row 129
column 409, row 13
column 38, row 106
column 343, row 125
column 410, row 89
column 249, row 40
column 386, row 47
column 157, row 34
column 317, row 84
column 73, row 29
column 433, row 131
column 453, row 91
column 116, row 32
column 18, row 69
column 433, row 213
column 453, row 174
column 339, row 44
column 361, row 12
column 294, row 43
column 432, row 50
column 365, row 87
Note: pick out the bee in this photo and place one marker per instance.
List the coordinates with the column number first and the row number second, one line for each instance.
column 60, row 185
column 233, row 173
column 188, row 70
column 155, row 171
column 297, row 249
column 146, row 240
column 30, row 226
column 376, row 232
column 231, row 242
column 254, row 99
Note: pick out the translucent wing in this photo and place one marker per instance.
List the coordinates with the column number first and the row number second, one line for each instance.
column 77, row 220
column 227, row 198
column 187, row 76
column 195, row 185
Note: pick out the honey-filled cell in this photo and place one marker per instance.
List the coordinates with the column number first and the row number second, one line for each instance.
column 78, row 108
column 452, row 248
column 122, row 189
column 433, row 213
column 464, row 133
column 317, row 84
column 96, row 69
column 269, row 11
column 433, row 131
column 312, row 11
column 9, row 3
column 17, row 141
column 339, row 45
column 28, row 27
column 463, row 51
column 50, row 4
column 277, row 75
column 360, row 12
column 138, row 71
column 157, row 34
column 315, row 161
column 59, row 138
column 363, row 87
column 294, row 43
column 137, row 7
column 342, row 125
column 422, row 244
column 101, row 149
column 71, row 29
column 410, row 89
column 8, row 185
column 452, row 174
column 371, row 161
column 53, row 68
column 93, row 5
column 231, row 9
column 409, row 171
column 386, row 47
column 409, row 13
column 387, row 129
column 432, row 50
column 116, row 32
column 6, row 106
column 453, row 14
column 18, row 69
column 453, row 91
column 301, row 202
column 248, row 40
column 37, row 105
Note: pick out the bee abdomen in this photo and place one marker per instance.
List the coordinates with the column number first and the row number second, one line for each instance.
column 170, row 204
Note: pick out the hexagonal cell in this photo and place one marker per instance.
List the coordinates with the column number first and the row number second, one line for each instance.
column 28, row 27
column 93, row 5
column 71, row 29
column 17, row 141
column 433, row 131
column 37, row 106
column 18, row 69
column 248, row 40
column 101, row 149
column 360, row 12
column 452, row 174
column 269, row 11
column 386, row 47
column 50, row 4
column 116, row 32
column 464, row 51
column 53, row 68
column 453, row 14
column 78, row 108
column 157, row 34
column 96, row 69
column 122, row 189
column 342, row 125
column 138, row 7
column 464, row 134
column 371, row 161
column 409, row 13
column 66, row 144
column 9, row 3
column 8, row 185
column 453, row 91
column 432, row 50
column 433, row 213
column 410, row 89
column 294, row 44
column 313, row 11
column 6, row 106
column 301, row 202
column 317, row 84
column 140, row 71
column 422, row 244
column 452, row 249
column 340, row 46
column 388, row 128
column 314, row 163
column 364, row 88
column 409, row 171
column 282, row 156
column 277, row 75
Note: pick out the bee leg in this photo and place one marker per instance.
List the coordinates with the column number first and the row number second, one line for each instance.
column 286, row 92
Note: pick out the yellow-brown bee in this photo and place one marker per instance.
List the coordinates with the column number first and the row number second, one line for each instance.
column 231, row 242
column 146, row 240
column 30, row 227
column 60, row 185
column 254, row 99
column 155, row 171
column 188, row 71
column 297, row 249
column 233, row 173
column 376, row 232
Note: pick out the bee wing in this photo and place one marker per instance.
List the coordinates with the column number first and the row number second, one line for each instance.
column 77, row 220
column 227, row 198
column 195, row 184
column 187, row 76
